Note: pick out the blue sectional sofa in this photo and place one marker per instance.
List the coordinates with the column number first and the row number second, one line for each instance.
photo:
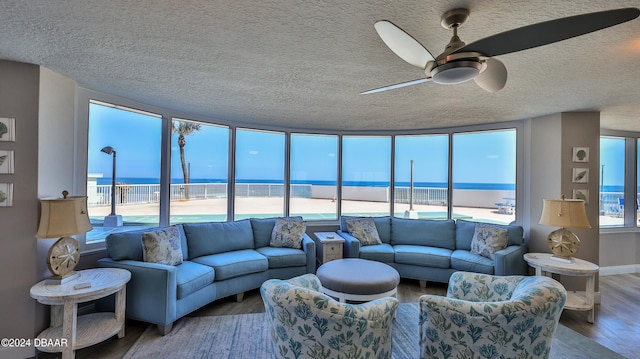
column 432, row 250
column 219, row 260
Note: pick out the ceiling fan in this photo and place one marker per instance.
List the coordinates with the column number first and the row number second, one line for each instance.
column 461, row 62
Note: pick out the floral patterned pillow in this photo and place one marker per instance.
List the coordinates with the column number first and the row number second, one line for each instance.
column 162, row 246
column 364, row 229
column 288, row 232
column 488, row 239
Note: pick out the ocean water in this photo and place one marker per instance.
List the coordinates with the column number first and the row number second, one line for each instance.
column 477, row 186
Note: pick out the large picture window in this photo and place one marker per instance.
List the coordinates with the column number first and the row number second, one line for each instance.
column 134, row 138
column 314, row 177
column 199, row 172
column 612, row 189
column 484, row 176
column 366, row 175
column 259, row 187
column 429, row 175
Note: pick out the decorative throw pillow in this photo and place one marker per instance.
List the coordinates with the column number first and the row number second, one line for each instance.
column 288, row 232
column 162, row 246
column 364, row 229
column 488, row 239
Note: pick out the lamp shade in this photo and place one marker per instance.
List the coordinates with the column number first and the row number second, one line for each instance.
column 566, row 213
column 62, row 217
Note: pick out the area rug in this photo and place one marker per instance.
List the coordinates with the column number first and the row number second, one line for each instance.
column 247, row 336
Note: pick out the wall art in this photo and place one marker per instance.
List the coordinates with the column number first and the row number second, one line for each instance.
column 6, row 162
column 580, row 175
column 7, row 129
column 581, row 154
column 582, row 194
column 6, row 194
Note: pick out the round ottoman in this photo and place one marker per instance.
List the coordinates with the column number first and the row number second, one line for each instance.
column 358, row 280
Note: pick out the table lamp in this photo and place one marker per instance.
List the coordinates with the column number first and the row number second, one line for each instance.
column 564, row 213
column 63, row 217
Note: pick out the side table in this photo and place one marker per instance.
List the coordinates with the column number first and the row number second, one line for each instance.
column 69, row 332
column 544, row 265
column 328, row 246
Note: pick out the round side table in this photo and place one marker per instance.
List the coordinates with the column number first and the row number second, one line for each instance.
column 69, row 332
column 544, row 265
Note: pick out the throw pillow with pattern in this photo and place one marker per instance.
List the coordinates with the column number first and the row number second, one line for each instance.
column 364, row 229
column 162, row 246
column 488, row 239
column 288, row 232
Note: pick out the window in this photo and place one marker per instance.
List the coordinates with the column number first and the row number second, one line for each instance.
column 199, row 172
column 366, row 178
column 484, row 176
column 612, row 171
column 314, row 177
column 135, row 138
column 259, row 187
column 430, row 176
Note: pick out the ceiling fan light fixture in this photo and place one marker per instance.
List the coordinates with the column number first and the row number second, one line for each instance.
column 455, row 72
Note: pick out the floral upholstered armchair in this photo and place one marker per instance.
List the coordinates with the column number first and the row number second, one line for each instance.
column 306, row 323
column 486, row 316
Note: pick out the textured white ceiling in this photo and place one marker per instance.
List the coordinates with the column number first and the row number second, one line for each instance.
column 303, row 63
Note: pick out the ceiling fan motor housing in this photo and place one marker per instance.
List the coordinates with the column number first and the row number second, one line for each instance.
column 455, row 72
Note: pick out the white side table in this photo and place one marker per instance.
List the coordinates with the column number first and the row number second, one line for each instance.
column 544, row 265
column 328, row 246
column 69, row 332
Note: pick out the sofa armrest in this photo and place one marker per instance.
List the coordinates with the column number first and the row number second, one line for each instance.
column 351, row 245
column 509, row 261
column 309, row 247
column 151, row 292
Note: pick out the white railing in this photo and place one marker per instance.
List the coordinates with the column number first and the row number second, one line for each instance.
column 611, row 203
column 129, row 194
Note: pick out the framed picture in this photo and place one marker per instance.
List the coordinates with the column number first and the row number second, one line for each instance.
column 7, row 129
column 6, row 194
column 581, row 154
column 6, row 162
column 580, row 175
column 582, row 194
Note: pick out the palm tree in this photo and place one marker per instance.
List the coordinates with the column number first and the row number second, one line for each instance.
column 183, row 129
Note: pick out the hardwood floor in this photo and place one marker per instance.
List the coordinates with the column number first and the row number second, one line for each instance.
column 616, row 325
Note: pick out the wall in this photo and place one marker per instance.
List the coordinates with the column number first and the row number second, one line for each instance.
column 18, row 257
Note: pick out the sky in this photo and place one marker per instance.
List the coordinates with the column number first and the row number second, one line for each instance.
column 478, row 157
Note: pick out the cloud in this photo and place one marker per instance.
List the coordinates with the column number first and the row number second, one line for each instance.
column 492, row 157
column 253, row 152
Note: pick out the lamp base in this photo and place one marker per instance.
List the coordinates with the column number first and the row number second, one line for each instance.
column 112, row 220
column 58, row 279
column 562, row 259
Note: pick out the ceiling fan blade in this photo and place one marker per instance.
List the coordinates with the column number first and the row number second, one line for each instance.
column 494, row 77
column 548, row 32
column 396, row 86
column 403, row 44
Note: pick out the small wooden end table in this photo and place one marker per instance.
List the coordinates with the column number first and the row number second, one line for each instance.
column 544, row 265
column 69, row 332
column 328, row 246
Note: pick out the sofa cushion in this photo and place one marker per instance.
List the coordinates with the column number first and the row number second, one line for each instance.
column 127, row 245
column 288, row 232
column 487, row 239
column 218, row 237
column 284, row 257
column 235, row 263
column 262, row 228
column 191, row 277
column 378, row 252
column 423, row 232
column 465, row 230
column 383, row 225
column 364, row 229
column 162, row 246
column 425, row 256
column 464, row 260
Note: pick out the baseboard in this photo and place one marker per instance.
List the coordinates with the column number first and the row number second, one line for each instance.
column 624, row 269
